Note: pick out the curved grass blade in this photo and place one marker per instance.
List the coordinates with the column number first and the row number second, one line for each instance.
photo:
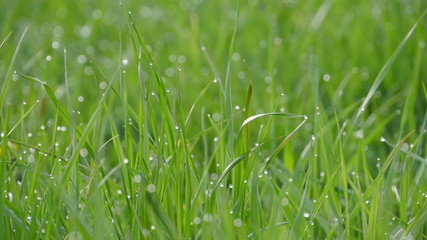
column 5, row 39
column 64, row 114
column 227, row 88
column 50, row 93
column 384, row 70
column 7, row 80
column 410, row 154
column 196, row 101
column 282, row 144
column 161, row 215
column 287, row 115
column 231, row 166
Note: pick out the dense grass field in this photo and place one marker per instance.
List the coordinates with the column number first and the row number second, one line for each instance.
column 213, row 119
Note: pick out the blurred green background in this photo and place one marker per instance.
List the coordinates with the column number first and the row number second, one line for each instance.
column 291, row 47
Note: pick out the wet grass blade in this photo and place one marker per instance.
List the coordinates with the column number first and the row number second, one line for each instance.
column 384, row 70
column 8, row 76
column 5, row 39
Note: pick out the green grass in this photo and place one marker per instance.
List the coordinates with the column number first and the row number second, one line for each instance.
column 213, row 119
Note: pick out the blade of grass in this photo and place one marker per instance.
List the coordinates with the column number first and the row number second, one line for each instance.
column 6, row 83
column 5, row 39
column 384, row 70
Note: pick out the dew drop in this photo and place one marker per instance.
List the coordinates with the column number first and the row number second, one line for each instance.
column 405, row 147
column 137, row 178
column 83, row 152
column 197, row 220
column 207, row 217
column 102, row 85
column 326, row 77
column 284, row 202
column 151, row 188
column 82, row 59
column 237, row 222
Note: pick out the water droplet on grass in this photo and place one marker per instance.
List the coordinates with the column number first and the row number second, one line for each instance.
column 235, row 57
column 216, row 117
column 382, row 139
column 326, row 77
column 85, row 31
column 102, row 85
column 145, row 232
column 181, row 59
column 207, row 217
column 55, row 45
column 405, row 147
column 137, row 178
column 237, row 222
column 214, row 176
column 284, row 202
column 82, row 59
column 31, row 158
column 306, row 215
column 358, row 134
column 151, row 188
column 263, row 44
column 197, row 220
column 84, row 152
column 97, row 14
